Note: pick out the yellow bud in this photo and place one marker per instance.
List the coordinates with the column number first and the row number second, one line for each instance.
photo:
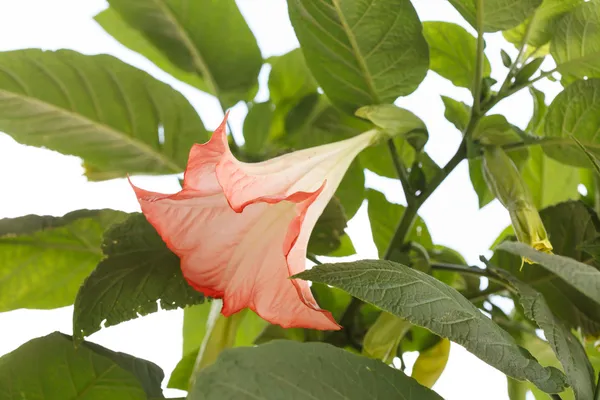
column 505, row 182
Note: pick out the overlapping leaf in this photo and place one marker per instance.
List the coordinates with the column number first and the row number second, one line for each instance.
column 318, row 371
column 138, row 271
column 44, row 260
column 424, row 301
column 116, row 117
column 52, row 368
column 361, row 53
column 206, row 38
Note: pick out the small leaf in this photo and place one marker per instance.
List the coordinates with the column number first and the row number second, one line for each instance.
column 138, row 271
column 506, row 60
column 575, row 44
column 44, row 260
column 117, row 118
column 498, row 15
column 384, row 336
column 452, row 52
column 327, row 234
column 424, row 301
column 257, row 126
column 581, row 276
column 396, row 121
column 457, row 112
column 52, row 368
column 326, row 372
column 361, row 55
column 431, row 363
column 566, row 346
column 225, row 55
column 528, row 70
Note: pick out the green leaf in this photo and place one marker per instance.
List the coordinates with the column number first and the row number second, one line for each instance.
column 540, row 109
column 569, row 226
column 566, row 346
column 192, row 35
column 549, row 181
column 290, row 79
column 506, row 60
column 396, row 121
column 384, row 336
column 51, row 368
column 528, row 70
column 115, row 25
column 543, row 23
column 351, row 191
column 424, row 301
column 431, row 363
column 98, row 108
column 257, row 126
column 583, row 277
column 385, row 216
column 452, row 53
column 138, row 270
column 378, row 159
column 361, row 53
column 457, row 112
column 318, row 370
column 44, row 259
column 327, row 234
column 498, row 15
column 575, row 45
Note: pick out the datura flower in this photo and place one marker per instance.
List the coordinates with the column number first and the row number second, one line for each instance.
column 241, row 230
column 505, row 182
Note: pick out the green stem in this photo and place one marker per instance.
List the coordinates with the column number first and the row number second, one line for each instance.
column 313, row 258
column 597, row 394
column 515, row 65
column 468, row 270
column 401, row 171
column 478, row 61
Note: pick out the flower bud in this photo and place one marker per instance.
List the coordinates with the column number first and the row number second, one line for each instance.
column 505, row 182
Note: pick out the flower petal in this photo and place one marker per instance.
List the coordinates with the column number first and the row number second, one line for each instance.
column 238, row 256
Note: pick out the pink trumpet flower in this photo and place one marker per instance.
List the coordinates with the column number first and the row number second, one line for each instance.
column 241, row 230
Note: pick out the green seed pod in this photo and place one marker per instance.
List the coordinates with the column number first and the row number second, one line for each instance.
column 505, row 182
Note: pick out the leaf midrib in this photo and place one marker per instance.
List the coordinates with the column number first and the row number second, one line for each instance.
column 362, row 63
column 141, row 146
column 199, row 62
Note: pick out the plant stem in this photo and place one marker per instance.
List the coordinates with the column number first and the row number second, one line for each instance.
column 478, row 61
column 401, row 171
column 597, row 393
column 468, row 270
column 313, row 258
column 514, row 67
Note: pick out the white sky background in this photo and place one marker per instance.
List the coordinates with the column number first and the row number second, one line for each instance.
column 37, row 181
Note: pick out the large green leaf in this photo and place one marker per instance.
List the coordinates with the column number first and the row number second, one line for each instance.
column 361, row 53
column 542, row 24
column 117, row 118
column 51, row 368
column 498, row 15
column 44, row 260
column 425, row 301
column 385, row 216
column 569, row 226
column 575, row 111
column 575, row 45
column 582, row 277
column 138, row 270
column 318, row 371
column 203, row 37
column 568, row 349
column 452, row 53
